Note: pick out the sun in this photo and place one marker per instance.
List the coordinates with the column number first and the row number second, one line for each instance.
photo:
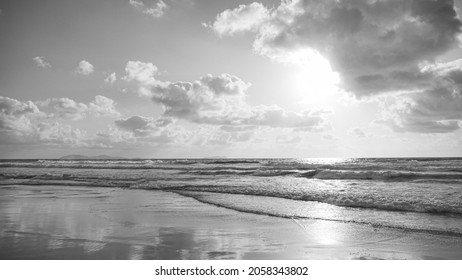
column 313, row 80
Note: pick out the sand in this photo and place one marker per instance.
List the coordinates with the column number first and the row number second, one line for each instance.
column 62, row 222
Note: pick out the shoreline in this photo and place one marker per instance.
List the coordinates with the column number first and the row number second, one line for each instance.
column 53, row 222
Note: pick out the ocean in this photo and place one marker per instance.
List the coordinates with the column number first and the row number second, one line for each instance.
column 410, row 194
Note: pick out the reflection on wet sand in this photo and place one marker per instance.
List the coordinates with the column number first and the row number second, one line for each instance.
column 173, row 244
column 52, row 222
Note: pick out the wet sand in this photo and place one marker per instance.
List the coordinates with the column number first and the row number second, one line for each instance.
column 54, row 222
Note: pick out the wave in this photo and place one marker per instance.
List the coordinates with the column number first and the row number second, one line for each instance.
column 387, row 175
column 380, row 175
column 278, row 207
column 357, row 184
column 423, row 195
column 447, row 203
column 445, row 175
column 230, row 161
column 219, row 172
column 247, row 171
column 407, row 197
column 92, row 165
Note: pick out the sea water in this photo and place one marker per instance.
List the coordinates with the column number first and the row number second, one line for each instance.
column 412, row 194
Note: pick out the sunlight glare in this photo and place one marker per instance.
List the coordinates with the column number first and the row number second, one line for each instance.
column 313, row 79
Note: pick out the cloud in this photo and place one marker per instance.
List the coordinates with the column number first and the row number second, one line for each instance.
column 16, row 115
column 84, row 68
column 437, row 109
column 203, row 100
column 329, row 137
column 40, row 62
column 243, row 18
column 433, row 111
column 136, row 4
column 140, row 131
column 285, row 139
column 155, row 11
column 214, row 100
column 242, row 128
column 103, row 106
column 140, row 72
column 46, row 134
column 378, row 48
column 111, row 78
column 59, row 134
column 375, row 46
column 40, row 122
column 226, row 138
column 142, row 126
column 66, row 108
column 135, row 123
column 357, row 132
column 24, row 123
column 142, row 76
column 13, row 107
column 274, row 116
column 117, row 138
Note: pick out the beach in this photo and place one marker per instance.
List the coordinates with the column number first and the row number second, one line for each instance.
column 80, row 222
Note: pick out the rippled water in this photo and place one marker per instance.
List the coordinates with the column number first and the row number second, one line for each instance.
column 423, row 194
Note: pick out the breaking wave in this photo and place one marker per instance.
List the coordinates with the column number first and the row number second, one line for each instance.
column 409, row 185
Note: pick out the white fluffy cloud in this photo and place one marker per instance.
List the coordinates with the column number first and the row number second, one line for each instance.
column 243, row 18
column 84, row 68
column 64, row 107
column 59, row 134
column 111, row 78
column 16, row 115
column 41, row 62
column 141, row 72
column 24, row 123
column 103, row 106
column 67, row 108
column 41, row 122
column 156, row 11
column 140, row 131
column 214, row 100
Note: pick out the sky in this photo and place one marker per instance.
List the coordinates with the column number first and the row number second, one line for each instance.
column 207, row 78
